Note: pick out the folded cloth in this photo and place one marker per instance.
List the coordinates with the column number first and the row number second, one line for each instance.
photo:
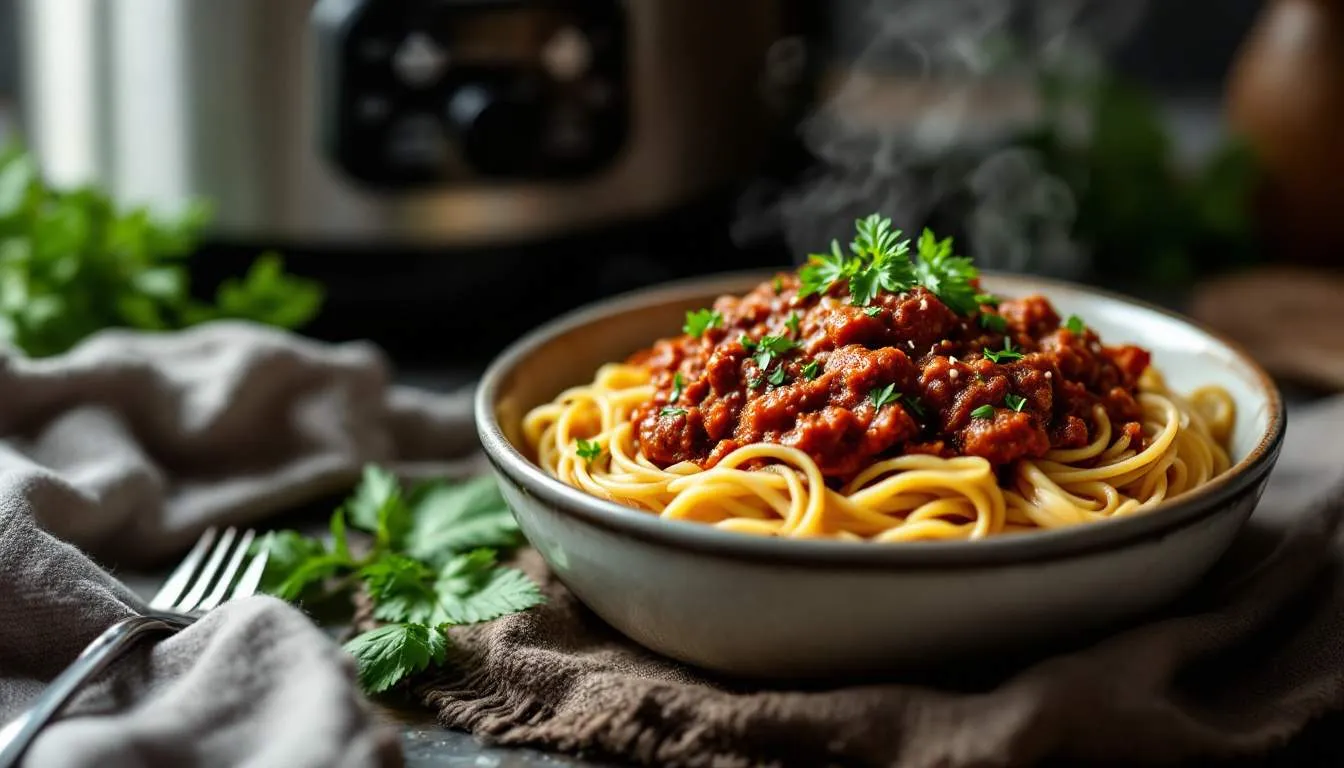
column 129, row 446
column 1238, row 668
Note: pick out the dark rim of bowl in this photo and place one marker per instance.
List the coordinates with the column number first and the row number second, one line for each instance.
column 696, row 537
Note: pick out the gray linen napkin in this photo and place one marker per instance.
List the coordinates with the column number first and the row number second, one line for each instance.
column 130, row 445
column 1237, row 668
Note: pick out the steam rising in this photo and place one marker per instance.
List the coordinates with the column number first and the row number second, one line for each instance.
column 916, row 120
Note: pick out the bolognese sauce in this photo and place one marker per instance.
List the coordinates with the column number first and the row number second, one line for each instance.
column 902, row 374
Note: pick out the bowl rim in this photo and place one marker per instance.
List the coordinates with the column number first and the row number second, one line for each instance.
column 1060, row 543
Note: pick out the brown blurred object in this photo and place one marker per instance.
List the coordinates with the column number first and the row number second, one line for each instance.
column 1291, row 319
column 1286, row 98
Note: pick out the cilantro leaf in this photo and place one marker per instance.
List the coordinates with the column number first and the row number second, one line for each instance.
column 983, row 412
column 883, row 396
column 778, row 377
column 992, row 322
column 1005, row 355
column 987, row 299
column 747, row 342
column 471, row 588
column 389, row 653
column 1075, row 325
column 448, row 518
column 701, row 320
column 812, row 370
column 756, row 382
column 948, row 277
column 794, row 323
column 872, row 311
column 677, row 384
column 672, row 411
column 1016, row 402
column 588, row 449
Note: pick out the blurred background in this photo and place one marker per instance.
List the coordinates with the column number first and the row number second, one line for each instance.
column 445, row 175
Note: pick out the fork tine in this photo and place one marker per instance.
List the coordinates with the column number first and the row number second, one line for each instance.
column 207, row 575
column 225, row 579
column 247, row 585
column 181, row 578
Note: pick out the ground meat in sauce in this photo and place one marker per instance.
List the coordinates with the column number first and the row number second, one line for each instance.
column 932, row 359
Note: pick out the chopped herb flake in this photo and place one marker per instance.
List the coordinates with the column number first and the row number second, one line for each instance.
column 1075, row 325
column 983, row 412
column 701, row 320
column 672, row 411
column 1016, row 402
column 1005, row 355
column 588, row 449
column 812, row 370
column 884, row 396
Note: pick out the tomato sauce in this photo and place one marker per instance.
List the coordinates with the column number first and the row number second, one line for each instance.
column 853, row 385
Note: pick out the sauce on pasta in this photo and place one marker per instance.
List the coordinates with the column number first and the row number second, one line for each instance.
column 881, row 397
column 825, row 399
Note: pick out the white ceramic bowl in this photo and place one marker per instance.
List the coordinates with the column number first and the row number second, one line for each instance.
column 763, row 607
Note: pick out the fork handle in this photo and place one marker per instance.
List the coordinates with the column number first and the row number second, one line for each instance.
column 107, row 647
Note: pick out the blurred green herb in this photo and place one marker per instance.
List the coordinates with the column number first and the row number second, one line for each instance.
column 431, row 565
column 1142, row 211
column 73, row 263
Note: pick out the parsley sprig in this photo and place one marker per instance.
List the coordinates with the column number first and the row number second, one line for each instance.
column 883, row 396
column 431, row 564
column 587, row 449
column 768, row 348
column 1005, row 355
column 701, row 320
column 73, row 262
column 879, row 260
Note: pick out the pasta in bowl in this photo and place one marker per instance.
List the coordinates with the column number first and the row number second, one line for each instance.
column 811, row 408
column 819, row 505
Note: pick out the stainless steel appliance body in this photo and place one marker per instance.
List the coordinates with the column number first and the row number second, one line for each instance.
column 418, row 123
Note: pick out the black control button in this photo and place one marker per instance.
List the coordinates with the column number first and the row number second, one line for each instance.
column 497, row 133
column 416, row 142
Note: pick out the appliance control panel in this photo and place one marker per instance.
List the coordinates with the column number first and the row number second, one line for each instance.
column 424, row 93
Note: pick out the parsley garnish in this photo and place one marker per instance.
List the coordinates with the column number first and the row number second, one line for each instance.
column 778, row 285
column 75, row 261
column 746, row 342
column 770, row 347
column 669, row 410
column 588, row 449
column 993, row 322
column 794, row 323
column 1075, row 325
column 987, row 299
column 948, row 277
column 1016, row 402
column 778, row 377
column 883, row 396
column 983, row 412
column 677, row 384
column 879, row 260
column 756, row 382
column 812, row 370
column 430, row 565
column 701, row 320
column 872, row 311
column 1007, row 354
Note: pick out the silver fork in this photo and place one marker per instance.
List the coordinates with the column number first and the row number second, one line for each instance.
column 191, row 591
